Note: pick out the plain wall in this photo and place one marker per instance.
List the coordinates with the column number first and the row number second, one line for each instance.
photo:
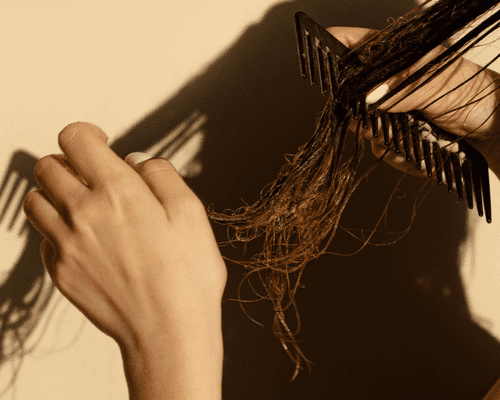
column 418, row 319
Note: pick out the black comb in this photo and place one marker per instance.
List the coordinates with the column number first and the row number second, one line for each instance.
column 454, row 161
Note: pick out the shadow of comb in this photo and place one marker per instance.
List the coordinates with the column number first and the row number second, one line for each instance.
column 17, row 182
column 25, row 291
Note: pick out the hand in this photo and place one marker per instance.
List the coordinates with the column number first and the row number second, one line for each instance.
column 480, row 121
column 130, row 246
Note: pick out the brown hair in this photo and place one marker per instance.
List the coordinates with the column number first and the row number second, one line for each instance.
column 299, row 212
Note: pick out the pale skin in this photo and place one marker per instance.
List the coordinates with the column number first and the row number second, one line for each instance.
column 132, row 248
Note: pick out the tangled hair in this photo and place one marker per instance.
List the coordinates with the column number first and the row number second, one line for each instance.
column 299, row 212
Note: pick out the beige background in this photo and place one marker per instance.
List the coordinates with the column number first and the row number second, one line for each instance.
column 112, row 63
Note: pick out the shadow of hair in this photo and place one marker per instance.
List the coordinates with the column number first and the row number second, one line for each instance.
column 389, row 322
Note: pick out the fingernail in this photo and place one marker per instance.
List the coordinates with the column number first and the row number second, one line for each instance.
column 137, row 157
column 377, row 94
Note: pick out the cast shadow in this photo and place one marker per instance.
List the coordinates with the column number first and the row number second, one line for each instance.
column 387, row 323
column 25, row 290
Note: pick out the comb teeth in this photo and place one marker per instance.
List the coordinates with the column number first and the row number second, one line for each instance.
column 319, row 53
column 463, row 169
column 455, row 163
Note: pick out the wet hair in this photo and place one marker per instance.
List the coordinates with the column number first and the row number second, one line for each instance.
column 298, row 214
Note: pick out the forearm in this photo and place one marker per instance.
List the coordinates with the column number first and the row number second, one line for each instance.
column 166, row 368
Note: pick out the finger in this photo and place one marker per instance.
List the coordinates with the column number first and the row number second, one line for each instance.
column 476, row 119
column 59, row 183
column 452, row 76
column 350, row 36
column 457, row 89
column 353, row 37
column 86, row 149
column 166, row 184
column 45, row 217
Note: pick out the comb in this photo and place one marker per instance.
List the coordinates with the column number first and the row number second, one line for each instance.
column 454, row 162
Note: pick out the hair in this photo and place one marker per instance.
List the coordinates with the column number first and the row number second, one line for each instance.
column 299, row 212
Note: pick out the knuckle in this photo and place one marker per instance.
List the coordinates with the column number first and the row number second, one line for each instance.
column 193, row 202
column 155, row 164
column 68, row 252
column 190, row 205
column 87, row 212
column 62, row 277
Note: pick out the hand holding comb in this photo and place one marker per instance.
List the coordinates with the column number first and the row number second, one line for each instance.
column 453, row 161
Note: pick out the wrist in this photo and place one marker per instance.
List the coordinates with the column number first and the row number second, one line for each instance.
column 176, row 367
